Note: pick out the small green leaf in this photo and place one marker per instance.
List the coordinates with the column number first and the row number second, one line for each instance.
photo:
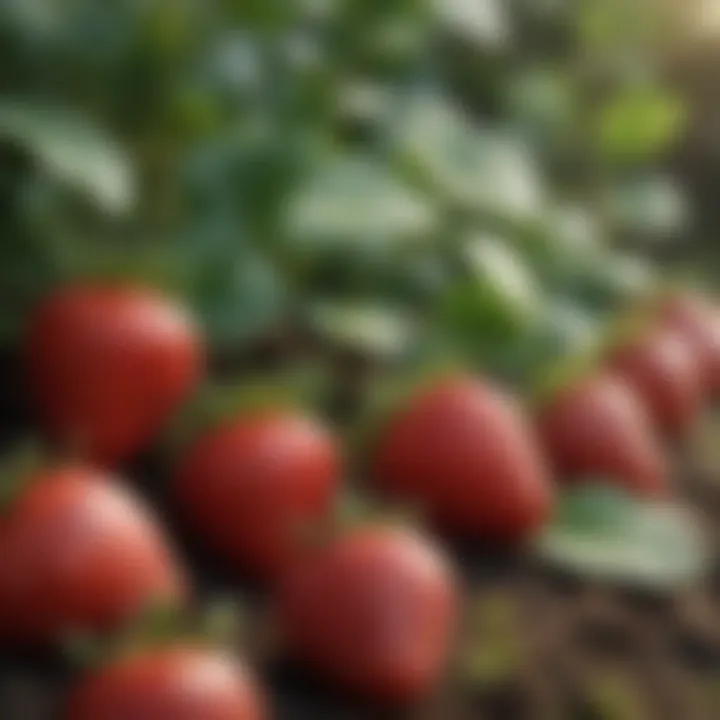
column 567, row 239
column 542, row 101
column 377, row 329
column 352, row 199
column 567, row 330
column 651, row 207
column 602, row 533
column 73, row 150
column 239, row 299
column 500, row 298
column 609, row 281
column 485, row 22
column 639, row 124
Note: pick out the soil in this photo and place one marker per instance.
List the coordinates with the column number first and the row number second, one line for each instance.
column 537, row 645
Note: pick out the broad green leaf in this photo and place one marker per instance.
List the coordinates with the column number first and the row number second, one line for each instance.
column 72, row 149
column 479, row 169
column 354, row 199
column 604, row 534
column 485, row 22
column 377, row 329
column 639, row 124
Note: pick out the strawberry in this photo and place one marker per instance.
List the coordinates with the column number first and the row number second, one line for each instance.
column 250, row 486
column 178, row 682
column 464, row 452
column 598, row 427
column 665, row 373
column 109, row 365
column 79, row 552
column 374, row 609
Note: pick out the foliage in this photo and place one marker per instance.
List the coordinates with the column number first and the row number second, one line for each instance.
column 447, row 161
column 604, row 534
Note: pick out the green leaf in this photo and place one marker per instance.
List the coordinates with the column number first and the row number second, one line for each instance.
column 485, row 22
column 239, row 299
column 478, row 169
column 542, row 101
column 73, row 150
column 607, row 281
column 500, row 299
column 567, row 329
column 640, row 123
column 604, row 534
column 651, row 207
column 379, row 330
column 563, row 241
column 353, row 199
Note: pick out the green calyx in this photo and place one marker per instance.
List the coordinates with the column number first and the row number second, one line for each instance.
column 355, row 510
column 161, row 624
column 218, row 402
column 17, row 469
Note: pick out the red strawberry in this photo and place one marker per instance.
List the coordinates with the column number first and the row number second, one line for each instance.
column 109, row 365
column 463, row 450
column 698, row 321
column 599, row 427
column 666, row 374
column 250, row 486
column 172, row 683
column 374, row 610
column 79, row 552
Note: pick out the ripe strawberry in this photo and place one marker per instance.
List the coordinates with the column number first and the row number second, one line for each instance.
column 180, row 682
column 250, row 486
column 463, row 451
column 599, row 427
column 697, row 320
column 109, row 365
column 373, row 610
column 665, row 373
column 79, row 552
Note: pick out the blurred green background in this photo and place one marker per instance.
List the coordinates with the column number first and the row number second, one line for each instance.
column 494, row 176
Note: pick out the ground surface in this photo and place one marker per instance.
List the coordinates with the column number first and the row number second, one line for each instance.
column 546, row 647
